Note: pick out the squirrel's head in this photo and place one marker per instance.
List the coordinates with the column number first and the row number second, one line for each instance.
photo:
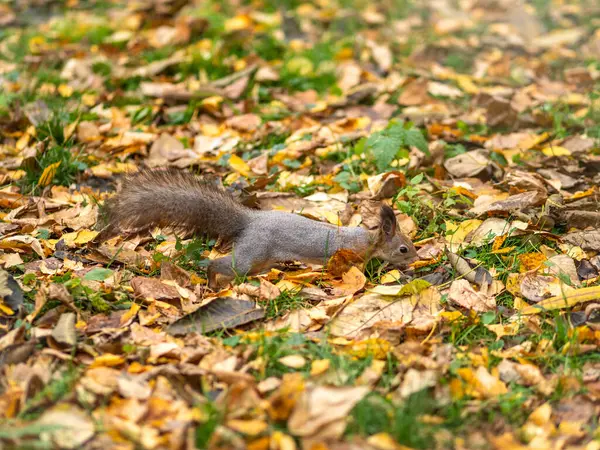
column 392, row 246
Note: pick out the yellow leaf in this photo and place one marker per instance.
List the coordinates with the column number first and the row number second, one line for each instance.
column 239, row 165
column 85, row 236
column 344, row 54
column 287, row 285
column 414, row 287
column 466, row 84
column 65, row 90
column 300, row 65
column 332, row 217
column 503, row 251
column 377, row 348
column 384, row 441
column 23, row 141
column 386, row 290
column 451, row 316
column 567, row 300
column 498, row 242
column 582, row 194
column 89, row 99
column 5, row 309
column 37, row 44
column 423, row 263
column 538, row 139
column 282, row 441
column 456, row 234
column 237, row 23
column 480, row 383
column 48, row 174
column 519, row 303
column 130, row 314
column 531, row 261
column 504, row 330
column 69, row 130
column 541, row 415
column 319, row 366
column 556, row 151
column 319, row 106
column 247, row 427
column 391, row 277
column 107, row 360
column 212, row 103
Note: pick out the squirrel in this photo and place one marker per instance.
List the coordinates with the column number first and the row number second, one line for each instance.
column 260, row 239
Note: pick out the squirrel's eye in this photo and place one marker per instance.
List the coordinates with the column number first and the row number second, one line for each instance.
column 403, row 249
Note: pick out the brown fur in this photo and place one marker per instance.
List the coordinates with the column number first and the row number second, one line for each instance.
column 175, row 199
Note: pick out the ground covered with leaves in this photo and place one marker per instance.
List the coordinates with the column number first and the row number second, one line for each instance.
column 478, row 121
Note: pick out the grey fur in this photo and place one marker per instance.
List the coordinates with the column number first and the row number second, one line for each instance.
column 260, row 238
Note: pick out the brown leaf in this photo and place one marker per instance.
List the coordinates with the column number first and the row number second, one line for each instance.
column 587, row 240
column 352, row 281
column 221, row 313
column 358, row 317
column 342, row 261
column 468, row 164
column 72, row 427
column 415, row 93
column 535, row 287
column 320, row 408
column 463, row 294
column 152, row 288
column 499, row 110
column 518, row 202
column 64, row 332
column 267, row 290
column 246, row 123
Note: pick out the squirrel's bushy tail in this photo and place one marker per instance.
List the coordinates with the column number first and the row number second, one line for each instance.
column 175, row 199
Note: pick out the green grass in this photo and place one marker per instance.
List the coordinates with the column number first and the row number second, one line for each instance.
column 25, row 437
column 212, row 418
column 343, row 370
column 376, row 414
column 70, row 165
column 286, row 302
column 61, row 385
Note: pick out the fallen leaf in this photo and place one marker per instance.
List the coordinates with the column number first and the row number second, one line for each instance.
column 320, row 407
column 463, row 294
column 567, row 300
column 293, row 361
column 468, row 164
column 70, row 426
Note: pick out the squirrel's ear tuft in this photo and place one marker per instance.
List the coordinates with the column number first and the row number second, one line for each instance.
column 388, row 221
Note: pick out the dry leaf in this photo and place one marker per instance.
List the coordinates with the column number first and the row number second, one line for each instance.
column 463, row 294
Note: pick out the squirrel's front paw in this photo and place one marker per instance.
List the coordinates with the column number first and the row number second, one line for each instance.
column 217, row 280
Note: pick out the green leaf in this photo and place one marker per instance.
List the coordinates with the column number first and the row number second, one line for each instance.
column 43, row 234
column 383, row 148
column 28, row 278
column 393, row 142
column 98, row 274
column 417, row 179
column 360, row 146
column 488, row 317
column 414, row 138
column 414, row 287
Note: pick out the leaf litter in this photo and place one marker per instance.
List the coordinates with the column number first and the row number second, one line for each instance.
column 478, row 122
